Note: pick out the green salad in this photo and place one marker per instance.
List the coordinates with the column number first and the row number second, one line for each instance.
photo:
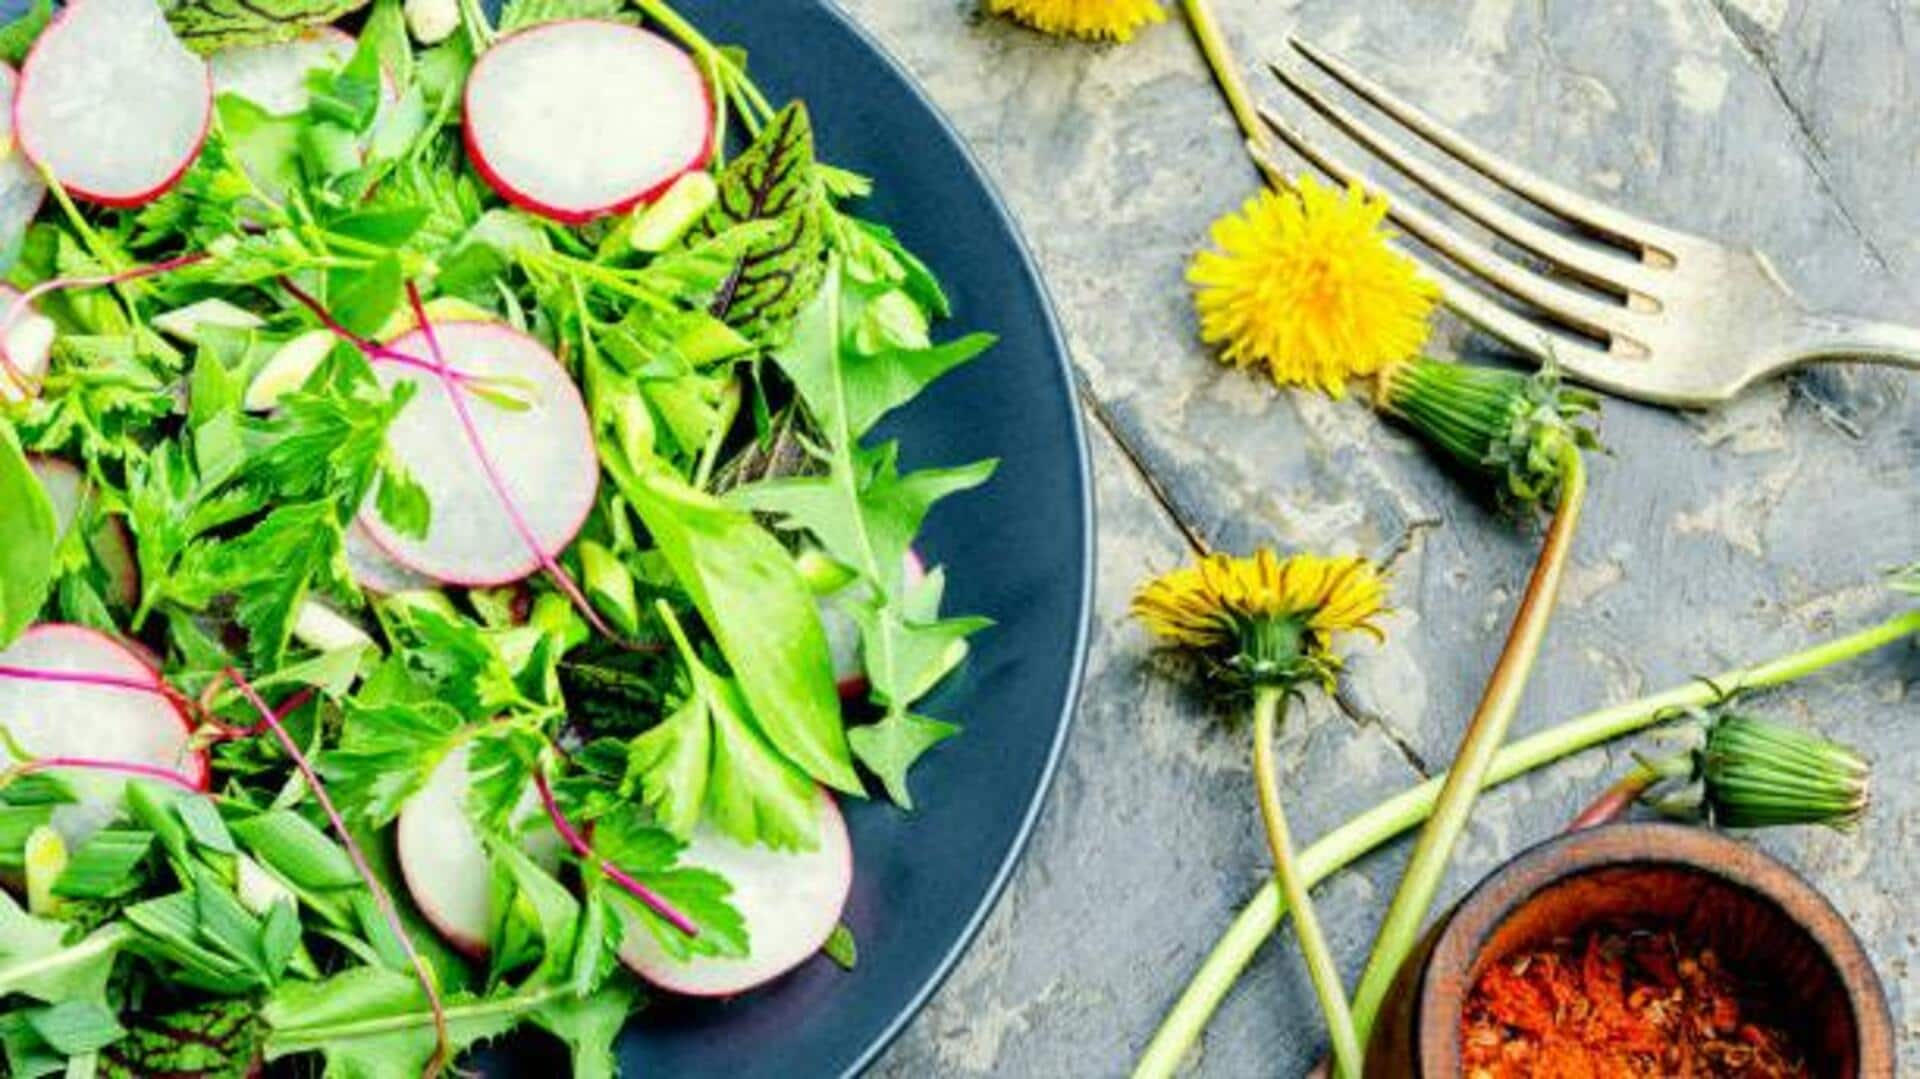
column 448, row 570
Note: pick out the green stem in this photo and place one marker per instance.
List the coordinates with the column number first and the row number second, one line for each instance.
column 1226, row 69
column 1268, row 702
column 307, row 1039
column 1486, row 731
column 1408, row 809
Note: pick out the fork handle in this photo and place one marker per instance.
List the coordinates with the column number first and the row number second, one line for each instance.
column 1837, row 337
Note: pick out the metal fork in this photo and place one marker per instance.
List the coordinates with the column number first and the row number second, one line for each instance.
column 1664, row 316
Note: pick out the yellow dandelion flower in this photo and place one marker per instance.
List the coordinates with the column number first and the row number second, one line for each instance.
column 1267, row 618
column 1304, row 283
column 1096, row 20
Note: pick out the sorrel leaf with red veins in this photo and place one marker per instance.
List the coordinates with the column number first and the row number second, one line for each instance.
column 209, row 25
column 218, row 1040
column 773, row 180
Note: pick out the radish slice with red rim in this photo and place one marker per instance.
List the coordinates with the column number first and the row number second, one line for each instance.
column 574, row 120
column 132, row 723
column 374, row 571
column 444, row 861
column 791, row 902
column 111, row 103
column 111, row 544
column 534, row 429
column 21, row 189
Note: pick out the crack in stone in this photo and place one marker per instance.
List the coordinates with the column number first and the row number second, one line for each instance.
column 1752, row 41
column 1362, row 719
column 1161, row 496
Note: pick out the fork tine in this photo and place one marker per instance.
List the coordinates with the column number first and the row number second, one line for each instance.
column 1610, row 271
column 1532, row 338
column 1628, row 230
column 1577, row 308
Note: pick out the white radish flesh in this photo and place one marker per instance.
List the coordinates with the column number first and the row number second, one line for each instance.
column 444, row 861
column 131, row 724
column 374, row 571
column 29, row 338
column 533, row 429
column 186, row 323
column 274, row 76
column 111, row 544
column 578, row 119
column 791, row 901
column 111, row 104
column 21, row 189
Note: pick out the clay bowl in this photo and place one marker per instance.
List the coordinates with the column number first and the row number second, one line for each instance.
column 1763, row 919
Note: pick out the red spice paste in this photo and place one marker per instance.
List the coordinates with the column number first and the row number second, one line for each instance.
column 1621, row 1005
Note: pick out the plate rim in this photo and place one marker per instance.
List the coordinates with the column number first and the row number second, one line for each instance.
column 1089, row 555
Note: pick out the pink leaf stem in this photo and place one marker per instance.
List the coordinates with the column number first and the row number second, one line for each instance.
column 644, row 894
column 380, row 897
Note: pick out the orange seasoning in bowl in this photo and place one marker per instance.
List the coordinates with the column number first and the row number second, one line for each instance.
column 1621, row 1005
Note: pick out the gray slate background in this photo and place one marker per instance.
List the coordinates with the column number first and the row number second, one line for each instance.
column 1713, row 539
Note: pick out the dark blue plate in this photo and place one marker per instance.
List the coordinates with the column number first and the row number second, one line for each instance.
column 1018, row 550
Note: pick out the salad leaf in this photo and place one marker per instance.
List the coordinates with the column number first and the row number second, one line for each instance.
column 386, row 754
column 519, row 14
column 773, row 181
column 626, row 838
column 207, row 26
column 216, row 1040
column 866, row 513
column 589, row 1025
column 19, row 35
column 760, row 611
column 29, row 536
column 37, row 961
column 708, row 760
column 372, row 1023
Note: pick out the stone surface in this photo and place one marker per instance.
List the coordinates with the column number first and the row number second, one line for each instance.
column 1786, row 124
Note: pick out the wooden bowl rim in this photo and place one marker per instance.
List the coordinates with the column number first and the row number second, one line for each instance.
column 1643, row 843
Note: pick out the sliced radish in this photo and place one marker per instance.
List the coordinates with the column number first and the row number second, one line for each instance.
column 186, row 323
column 791, row 902
column 111, row 104
column 52, row 715
column 444, row 861
column 274, row 76
column 540, row 444
column 843, row 633
column 374, row 571
column 111, row 544
column 288, row 369
column 578, row 119
column 21, row 189
column 29, row 340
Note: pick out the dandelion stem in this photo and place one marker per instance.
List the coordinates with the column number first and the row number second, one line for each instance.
column 1617, row 799
column 1406, row 810
column 1486, row 731
column 1268, row 702
column 1226, row 70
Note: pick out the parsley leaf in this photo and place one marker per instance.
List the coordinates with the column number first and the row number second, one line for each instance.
column 708, row 760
